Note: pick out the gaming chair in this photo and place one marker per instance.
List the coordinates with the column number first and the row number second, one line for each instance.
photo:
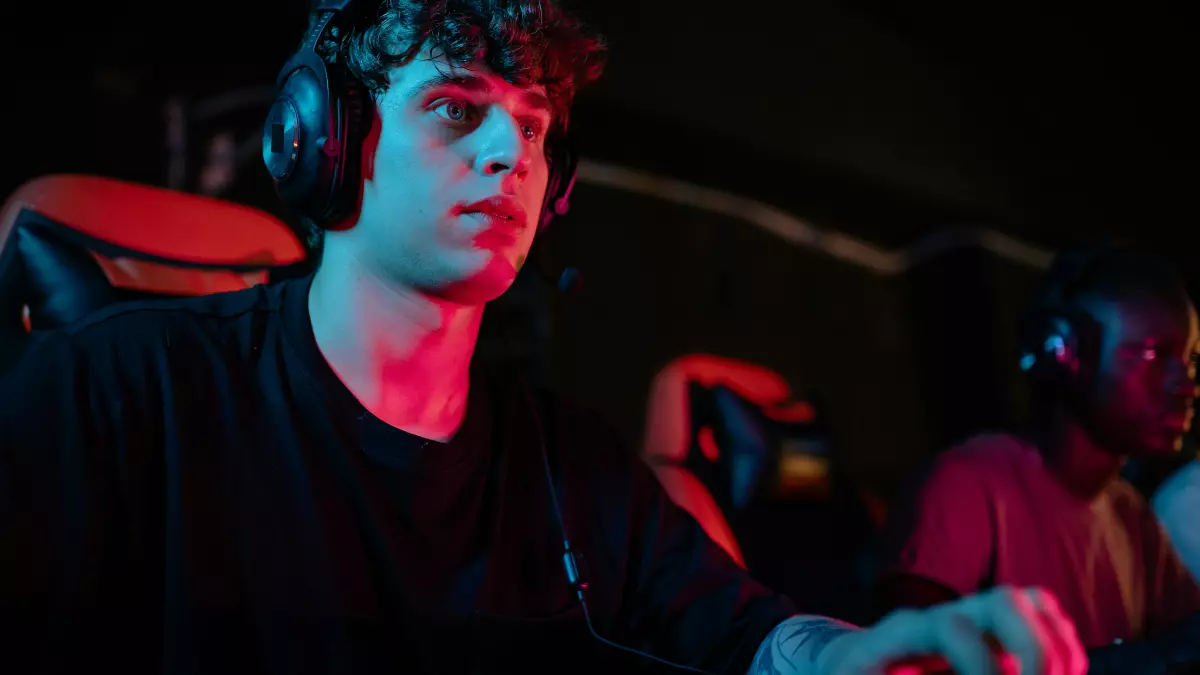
column 753, row 463
column 722, row 432
column 71, row 244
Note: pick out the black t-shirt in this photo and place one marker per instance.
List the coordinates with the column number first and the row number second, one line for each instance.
column 186, row 487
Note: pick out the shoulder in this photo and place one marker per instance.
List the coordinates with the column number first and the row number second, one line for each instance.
column 1178, row 498
column 137, row 319
column 135, row 340
column 979, row 468
column 986, row 457
column 172, row 325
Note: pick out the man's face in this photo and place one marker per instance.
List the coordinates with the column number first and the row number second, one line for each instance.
column 1145, row 385
column 454, row 173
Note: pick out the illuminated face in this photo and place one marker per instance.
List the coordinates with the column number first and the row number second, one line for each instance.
column 1145, row 379
column 454, row 174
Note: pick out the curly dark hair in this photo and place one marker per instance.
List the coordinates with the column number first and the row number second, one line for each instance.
column 526, row 42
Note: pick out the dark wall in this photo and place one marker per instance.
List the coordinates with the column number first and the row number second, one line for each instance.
column 663, row 280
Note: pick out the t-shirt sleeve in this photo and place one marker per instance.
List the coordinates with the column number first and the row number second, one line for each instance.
column 685, row 599
column 942, row 528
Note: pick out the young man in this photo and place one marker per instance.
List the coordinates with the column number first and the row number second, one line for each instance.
column 1110, row 342
column 310, row 478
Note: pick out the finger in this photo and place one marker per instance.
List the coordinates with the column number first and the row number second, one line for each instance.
column 1061, row 630
column 933, row 641
column 1057, row 656
column 1012, row 618
column 938, row 665
column 963, row 644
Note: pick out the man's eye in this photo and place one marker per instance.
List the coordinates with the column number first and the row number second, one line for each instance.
column 531, row 130
column 453, row 110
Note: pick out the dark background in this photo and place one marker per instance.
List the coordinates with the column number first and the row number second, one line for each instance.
column 890, row 124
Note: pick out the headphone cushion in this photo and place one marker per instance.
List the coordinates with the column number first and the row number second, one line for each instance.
column 304, row 101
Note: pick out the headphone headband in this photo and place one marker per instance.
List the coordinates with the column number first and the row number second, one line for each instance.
column 316, row 31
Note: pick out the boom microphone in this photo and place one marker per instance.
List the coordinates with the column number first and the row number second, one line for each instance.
column 569, row 283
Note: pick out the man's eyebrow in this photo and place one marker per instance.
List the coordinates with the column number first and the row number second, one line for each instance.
column 440, row 79
column 538, row 102
column 476, row 84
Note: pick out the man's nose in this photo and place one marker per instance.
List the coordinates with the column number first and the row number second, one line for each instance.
column 505, row 149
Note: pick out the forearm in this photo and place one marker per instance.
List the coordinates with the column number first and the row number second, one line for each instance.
column 798, row 646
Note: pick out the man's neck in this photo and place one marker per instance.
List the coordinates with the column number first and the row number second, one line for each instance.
column 403, row 354
column 1074, row 456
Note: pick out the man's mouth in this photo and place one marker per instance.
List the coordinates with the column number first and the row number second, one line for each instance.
column 499, row 211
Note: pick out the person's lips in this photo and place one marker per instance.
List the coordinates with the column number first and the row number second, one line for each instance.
column 501, row 213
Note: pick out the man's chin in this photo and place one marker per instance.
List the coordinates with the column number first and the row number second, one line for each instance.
column 489, row 283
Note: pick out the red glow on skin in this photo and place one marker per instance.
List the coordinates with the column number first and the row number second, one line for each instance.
column 404, row 355
column 454, row 172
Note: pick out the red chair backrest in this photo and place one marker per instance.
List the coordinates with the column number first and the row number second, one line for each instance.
column 71, row 244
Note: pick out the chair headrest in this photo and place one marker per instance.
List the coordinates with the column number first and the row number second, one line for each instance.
column 740, row 427
column 157, row 222
column 71, row 244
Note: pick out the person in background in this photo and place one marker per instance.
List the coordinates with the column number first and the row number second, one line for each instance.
column 1109, row 343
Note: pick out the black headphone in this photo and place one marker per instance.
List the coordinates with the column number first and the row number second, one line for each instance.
column 1060, row 342
column 312, row 137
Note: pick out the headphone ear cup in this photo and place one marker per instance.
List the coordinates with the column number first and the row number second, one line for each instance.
column 1052, row 356
column 296, row 147
column 1064, row 355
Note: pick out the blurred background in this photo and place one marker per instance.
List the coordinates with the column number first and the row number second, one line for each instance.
column 855, row 195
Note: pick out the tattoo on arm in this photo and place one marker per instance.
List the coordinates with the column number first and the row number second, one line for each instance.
column 794, row 646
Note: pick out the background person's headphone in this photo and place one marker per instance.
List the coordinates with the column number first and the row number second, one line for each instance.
column 1060, row 342
column 312, row 137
